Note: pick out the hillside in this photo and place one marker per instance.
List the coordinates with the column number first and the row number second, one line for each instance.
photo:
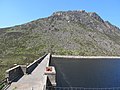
column 64, row 32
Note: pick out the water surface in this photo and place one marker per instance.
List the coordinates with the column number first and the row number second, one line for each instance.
column 88, row 73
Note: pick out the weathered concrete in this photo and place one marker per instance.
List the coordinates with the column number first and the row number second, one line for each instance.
column 34, row 64
column 63, row 56
column 51, row 75
column 13, row 74
column 34, row 81
column 23, row 67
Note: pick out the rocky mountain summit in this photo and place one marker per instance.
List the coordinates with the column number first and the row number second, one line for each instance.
column 64, row 32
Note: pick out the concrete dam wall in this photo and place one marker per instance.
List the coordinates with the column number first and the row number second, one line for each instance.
column 15, row 73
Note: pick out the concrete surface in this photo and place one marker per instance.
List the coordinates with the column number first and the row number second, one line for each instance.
column 63, row 56
column 34, row 81
column 14, row 73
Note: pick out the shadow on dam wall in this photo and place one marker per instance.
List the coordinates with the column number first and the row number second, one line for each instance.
column 88, row 73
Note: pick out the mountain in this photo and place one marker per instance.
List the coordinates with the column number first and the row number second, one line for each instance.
column 64, row 32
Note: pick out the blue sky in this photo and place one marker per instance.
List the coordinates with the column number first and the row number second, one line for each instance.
column 15, row 12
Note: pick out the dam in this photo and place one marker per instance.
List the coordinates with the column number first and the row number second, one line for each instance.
column 53, row 72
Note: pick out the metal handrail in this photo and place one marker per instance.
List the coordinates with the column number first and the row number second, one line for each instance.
column 3, row 81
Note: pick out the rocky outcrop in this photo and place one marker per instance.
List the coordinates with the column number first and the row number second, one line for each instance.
column 96, row 16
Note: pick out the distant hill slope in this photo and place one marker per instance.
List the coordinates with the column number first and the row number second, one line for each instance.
column 64, row 32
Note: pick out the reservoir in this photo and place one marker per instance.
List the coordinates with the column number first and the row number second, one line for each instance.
column 87, row 72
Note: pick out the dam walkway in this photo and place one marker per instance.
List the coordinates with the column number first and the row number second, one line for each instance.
column 36, row 77
column 34, row 81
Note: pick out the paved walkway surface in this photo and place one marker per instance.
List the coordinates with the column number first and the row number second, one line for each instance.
column 34, row 81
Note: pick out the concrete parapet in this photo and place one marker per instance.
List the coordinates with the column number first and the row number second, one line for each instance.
column 24, row 68
column 31, row 67
column 88, row 57
column 34, row 64
column 37, row 80
column 13, row 74
column 47, row 60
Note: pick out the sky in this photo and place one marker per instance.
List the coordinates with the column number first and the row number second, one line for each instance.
column 16, row 12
